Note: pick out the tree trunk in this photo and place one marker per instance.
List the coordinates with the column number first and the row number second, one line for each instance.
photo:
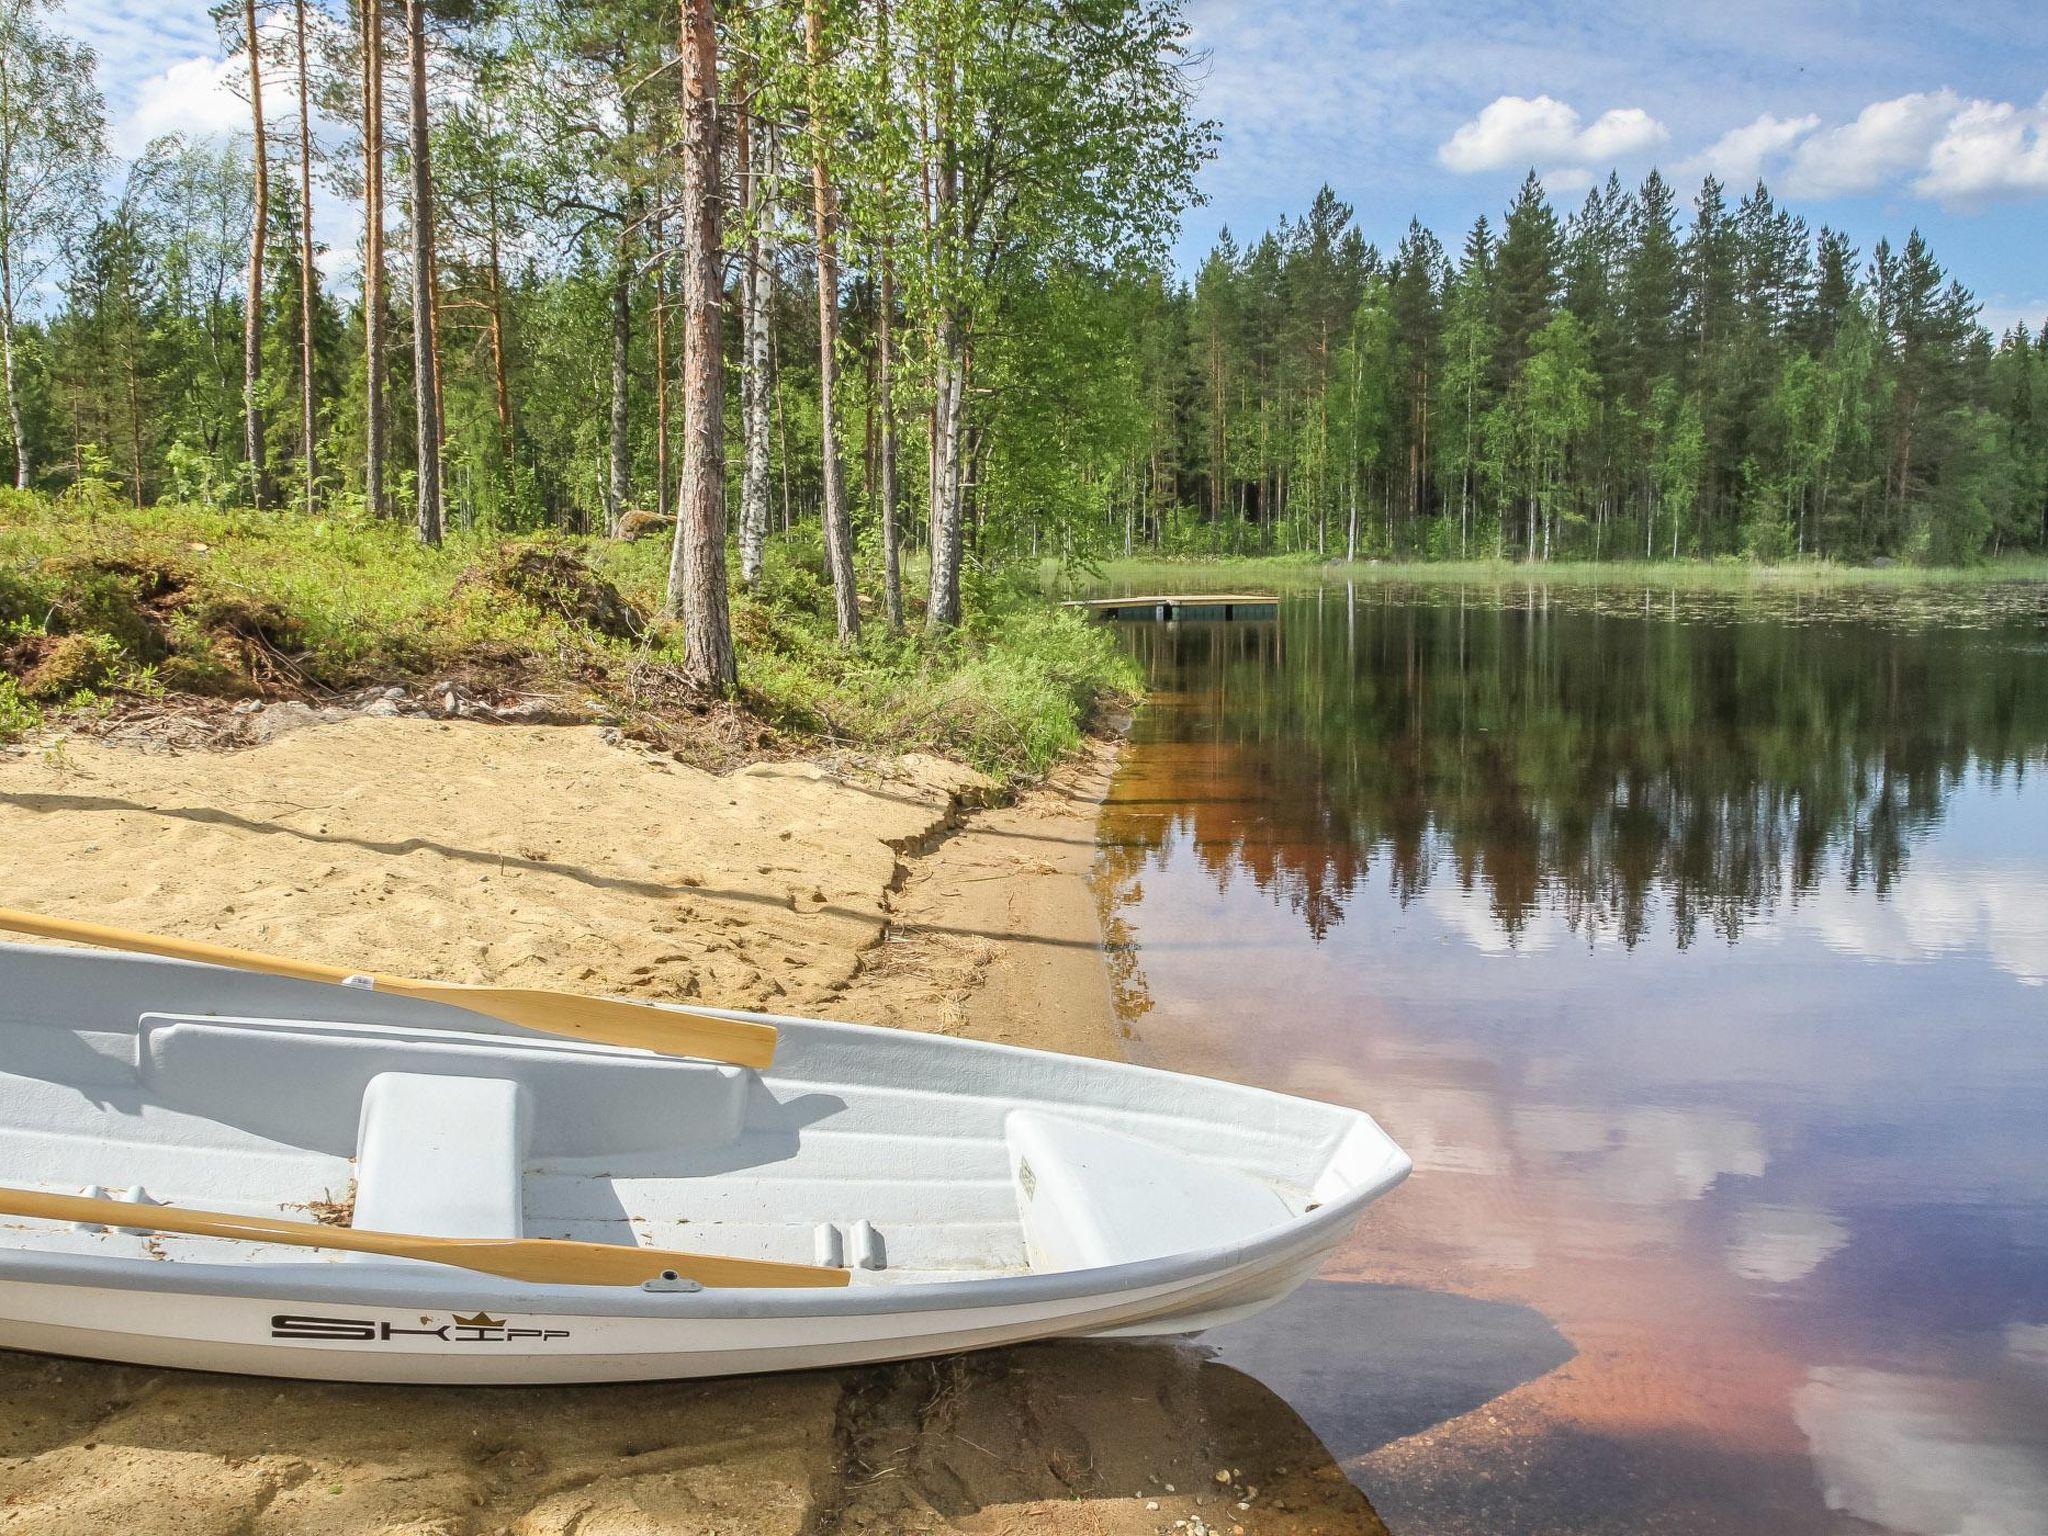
column 617, row 490
column 501, row 388
column 252, row 313
column 373, row 257
column 755, row 282
column 696, row 572
column 7, row 365
column 824, row 202
column 660, row 246
column 308, row 278
column 885, row 381
column 426, row 369
column 892, row 539
column 949, row 390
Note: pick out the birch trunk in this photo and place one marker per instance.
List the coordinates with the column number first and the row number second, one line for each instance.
column 696, row 574
column 426, row 382
column 949, row 389
column 7, row 364
column 756, row 282
column 308, row 277
column 373, row 257
column 824, row 202
column 892, row 538
column 661, row 503
column 617, row 489
column 252, row 312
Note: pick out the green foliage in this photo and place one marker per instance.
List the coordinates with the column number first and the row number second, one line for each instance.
column 18, row 714
column 1596, row 387
column 210, row 602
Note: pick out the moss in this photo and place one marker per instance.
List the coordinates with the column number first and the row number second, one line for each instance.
column 69, row 665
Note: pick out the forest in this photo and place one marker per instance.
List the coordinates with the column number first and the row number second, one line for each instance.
column 1632, row 380
column 891, row 280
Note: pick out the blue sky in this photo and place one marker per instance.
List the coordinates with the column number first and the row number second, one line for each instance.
column 1873, row 115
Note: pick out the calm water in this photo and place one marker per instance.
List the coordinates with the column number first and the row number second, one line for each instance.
column 1696, row 945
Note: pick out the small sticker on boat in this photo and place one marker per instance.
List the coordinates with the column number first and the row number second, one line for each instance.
column 478, row 1328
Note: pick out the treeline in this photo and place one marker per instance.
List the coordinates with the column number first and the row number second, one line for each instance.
column 1633, row 380
column 619, row 258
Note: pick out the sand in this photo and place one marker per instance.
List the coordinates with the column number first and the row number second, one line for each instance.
column 560, row 856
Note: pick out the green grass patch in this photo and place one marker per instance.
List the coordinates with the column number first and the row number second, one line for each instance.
column 1205, row 573
column 181, row 599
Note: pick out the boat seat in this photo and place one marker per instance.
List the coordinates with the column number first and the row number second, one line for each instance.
column 302, row 1083
column 1090, row 1196
column 442, row 1156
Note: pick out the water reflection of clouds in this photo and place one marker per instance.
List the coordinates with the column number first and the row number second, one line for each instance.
column 1945, row 907
column 1781, row 1244
column 1921, row 1454
column 1647, row 1156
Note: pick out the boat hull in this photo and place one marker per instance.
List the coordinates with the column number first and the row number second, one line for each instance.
column 327, row 1340
column 981, row 1195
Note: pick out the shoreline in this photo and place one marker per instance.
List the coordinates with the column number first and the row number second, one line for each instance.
column 903, row 892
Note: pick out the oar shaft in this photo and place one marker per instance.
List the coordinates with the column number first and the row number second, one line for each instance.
column 533, row 1259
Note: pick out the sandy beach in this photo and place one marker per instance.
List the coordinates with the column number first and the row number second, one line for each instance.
column 889, row 892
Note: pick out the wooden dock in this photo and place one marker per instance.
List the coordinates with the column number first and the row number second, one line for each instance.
column 1168, row 608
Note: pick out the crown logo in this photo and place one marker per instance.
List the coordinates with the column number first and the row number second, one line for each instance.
column 481, row 1320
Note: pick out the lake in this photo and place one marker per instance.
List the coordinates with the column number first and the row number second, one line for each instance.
column 1695, row 943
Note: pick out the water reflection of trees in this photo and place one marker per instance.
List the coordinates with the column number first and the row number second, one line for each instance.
column 1610, row 766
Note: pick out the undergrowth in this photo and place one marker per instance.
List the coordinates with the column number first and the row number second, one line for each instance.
column 179, row 600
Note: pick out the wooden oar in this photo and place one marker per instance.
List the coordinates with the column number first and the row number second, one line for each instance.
column 540, row 1260
column 608, row 1021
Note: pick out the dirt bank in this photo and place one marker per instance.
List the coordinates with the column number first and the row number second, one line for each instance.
column 555, row 856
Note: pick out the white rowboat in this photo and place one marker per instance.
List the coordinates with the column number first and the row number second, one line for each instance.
column 902, row 1194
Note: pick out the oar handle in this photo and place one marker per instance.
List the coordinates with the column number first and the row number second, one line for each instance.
column 107, row 937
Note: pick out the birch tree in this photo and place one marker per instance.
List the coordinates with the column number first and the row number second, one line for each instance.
column 1047, row 133
column 825, row 205
column 756, row 159
column 308, row 276
column 52, row 131
column 426, row 359
column 252, row 303
column 372, row 18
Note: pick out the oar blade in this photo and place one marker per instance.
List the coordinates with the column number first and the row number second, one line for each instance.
column 605, row 1020
column 562, row 1261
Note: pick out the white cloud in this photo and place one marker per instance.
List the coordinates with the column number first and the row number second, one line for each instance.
column 1564, row 180
column 1738, row 156
column 1525, row 130
column 1990, row 149
column 1887, row 139
column 192, row 97
column 1621, row 131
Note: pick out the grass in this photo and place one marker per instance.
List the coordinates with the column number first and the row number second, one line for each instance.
column 1200, row 573
column 119, row 604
